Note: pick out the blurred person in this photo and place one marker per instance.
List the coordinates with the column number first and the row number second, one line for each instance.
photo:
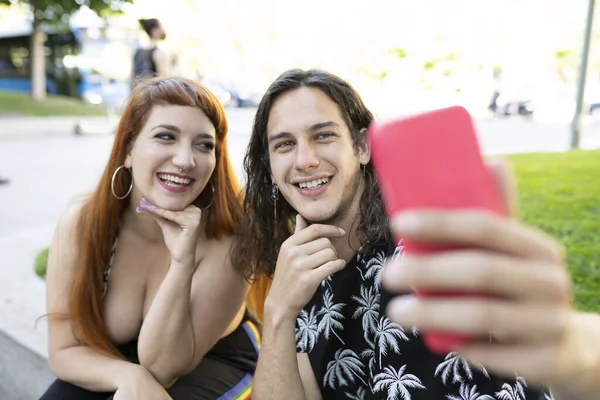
column 142, row 294
column 332, row 326
column 3, row 179
column 151, row 61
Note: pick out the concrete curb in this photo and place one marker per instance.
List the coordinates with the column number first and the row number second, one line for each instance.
column 24, row 374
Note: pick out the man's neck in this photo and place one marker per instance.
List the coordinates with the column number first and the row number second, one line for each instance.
column 348, row 245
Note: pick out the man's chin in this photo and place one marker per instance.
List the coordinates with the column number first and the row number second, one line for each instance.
column 322, row 219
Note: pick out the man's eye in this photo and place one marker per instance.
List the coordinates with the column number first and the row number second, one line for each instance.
column 287, row 143
column 324, row 135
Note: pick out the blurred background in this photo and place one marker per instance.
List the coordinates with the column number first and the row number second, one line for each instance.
column 403, row 56
column 65, row 71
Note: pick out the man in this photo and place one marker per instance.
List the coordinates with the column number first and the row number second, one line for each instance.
column 3, row 179
column 326, row 334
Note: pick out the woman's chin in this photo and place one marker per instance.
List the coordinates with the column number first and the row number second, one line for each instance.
column 172, row 205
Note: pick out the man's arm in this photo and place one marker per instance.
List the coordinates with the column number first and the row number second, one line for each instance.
column 305, row 259
column 281, row 373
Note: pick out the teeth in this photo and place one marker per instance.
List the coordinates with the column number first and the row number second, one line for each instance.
column 174, row 179
column 313, row 184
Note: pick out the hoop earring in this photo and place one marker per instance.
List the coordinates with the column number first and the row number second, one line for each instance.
column 275, row 197
column 112, row 183
column 212, row 199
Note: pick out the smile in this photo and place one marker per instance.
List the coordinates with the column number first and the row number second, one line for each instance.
column 174, row 183
column 314, row 184
column 174, row 180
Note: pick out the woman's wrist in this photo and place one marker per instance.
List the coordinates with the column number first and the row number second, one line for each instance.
column 131, row 372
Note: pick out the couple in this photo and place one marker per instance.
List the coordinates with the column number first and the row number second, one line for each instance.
column 148, row 280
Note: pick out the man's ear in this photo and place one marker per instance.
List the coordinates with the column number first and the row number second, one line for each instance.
column 364, row 147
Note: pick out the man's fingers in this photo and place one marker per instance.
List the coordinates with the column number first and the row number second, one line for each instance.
column 505, row 183
column 539, row 360
column 478, row 316
column 479, row 271
column 317, row 245
column 476, row 228
column 327, row 269
column 316, row 231
column 321, row 257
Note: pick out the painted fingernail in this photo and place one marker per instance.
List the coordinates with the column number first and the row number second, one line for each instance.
column 144, row 203
column 343, row 232
column 155, row 208
column 139, row 208
column 407, row 223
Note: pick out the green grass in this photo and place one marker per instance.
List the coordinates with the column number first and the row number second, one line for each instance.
column 23, row 104
column 560, row 194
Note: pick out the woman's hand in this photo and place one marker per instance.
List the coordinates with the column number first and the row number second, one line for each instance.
column 180, row 229
column 139, row 384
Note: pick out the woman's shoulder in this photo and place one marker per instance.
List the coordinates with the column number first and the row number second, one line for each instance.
column 223, row 243
column 73, row 209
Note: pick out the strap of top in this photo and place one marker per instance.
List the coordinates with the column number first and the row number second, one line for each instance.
column 108, row 267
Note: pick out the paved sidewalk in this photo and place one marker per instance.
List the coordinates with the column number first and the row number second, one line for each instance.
column 11, row 126
column 24, row 375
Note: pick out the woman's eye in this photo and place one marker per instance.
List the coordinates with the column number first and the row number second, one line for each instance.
column 165, row 136
column 206, row 146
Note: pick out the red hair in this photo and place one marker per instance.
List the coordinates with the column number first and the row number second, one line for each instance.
column 98, row 222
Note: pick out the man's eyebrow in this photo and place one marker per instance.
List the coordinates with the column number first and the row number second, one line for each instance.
column 321, row 125
column 312, row 128
column 280, row 135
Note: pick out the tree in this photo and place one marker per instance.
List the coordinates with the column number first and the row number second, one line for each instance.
column 56, row 13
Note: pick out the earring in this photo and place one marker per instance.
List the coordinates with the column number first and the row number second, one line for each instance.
column 212, row 199
column 275, row 197
column 364, row 170
column 112, row 183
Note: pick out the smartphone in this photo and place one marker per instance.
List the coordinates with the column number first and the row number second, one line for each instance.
column 433, row 160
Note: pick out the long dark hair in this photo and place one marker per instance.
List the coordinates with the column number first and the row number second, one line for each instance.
column 265, row 234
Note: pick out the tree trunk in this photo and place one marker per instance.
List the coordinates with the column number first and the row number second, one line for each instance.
column 38, row 60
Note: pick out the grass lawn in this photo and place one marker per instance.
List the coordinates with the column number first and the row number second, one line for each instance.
column 560, row 194
column 23, row 104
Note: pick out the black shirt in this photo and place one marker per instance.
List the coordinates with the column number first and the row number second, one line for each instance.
column 356, row 352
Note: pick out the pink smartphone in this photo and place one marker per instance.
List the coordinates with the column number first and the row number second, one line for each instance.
column 433, row 160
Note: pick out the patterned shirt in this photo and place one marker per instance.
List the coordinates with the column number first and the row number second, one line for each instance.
column 356, row 352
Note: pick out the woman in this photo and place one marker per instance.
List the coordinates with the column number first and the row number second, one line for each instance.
column 141, row 292
column 152, row 61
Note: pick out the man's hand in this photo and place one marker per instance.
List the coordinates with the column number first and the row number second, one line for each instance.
column 535, row 331
column 305, row 259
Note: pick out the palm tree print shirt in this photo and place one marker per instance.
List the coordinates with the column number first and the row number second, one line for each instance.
column 356, row 352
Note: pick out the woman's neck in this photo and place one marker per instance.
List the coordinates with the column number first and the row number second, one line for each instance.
column 143, row 226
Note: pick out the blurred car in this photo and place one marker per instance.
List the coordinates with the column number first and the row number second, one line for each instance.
column 223, row 95
column 503, row 106
column 242, row 92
